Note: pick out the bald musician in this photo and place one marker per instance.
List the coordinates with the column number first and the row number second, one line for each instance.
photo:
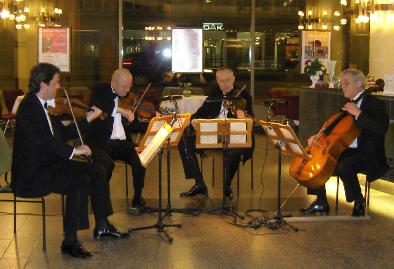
column 209, row 110
column 113, row 133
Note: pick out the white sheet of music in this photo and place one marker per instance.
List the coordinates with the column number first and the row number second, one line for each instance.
column 208, row 127
column 287, row 134
column 295, row 148
column 148, row 139
column 173, row 136
column 238, row 126
column 208, row 139
column 237, row 139
column 178, row 123
column 270, row 131
column 157, row 125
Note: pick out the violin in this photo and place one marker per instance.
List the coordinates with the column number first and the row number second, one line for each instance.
column 143, row 108
column 79, row 108
column 235, row 103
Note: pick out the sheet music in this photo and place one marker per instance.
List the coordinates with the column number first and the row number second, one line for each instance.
column 238, row 126
column 208, row 139
column 178, row 123
column 150, row 150
column 269, row 130
column 295, row 148
column 157, row 125
column 148, row 139
column 287, row 134
column 238, row 139
column 174, row 135
column 208, row 127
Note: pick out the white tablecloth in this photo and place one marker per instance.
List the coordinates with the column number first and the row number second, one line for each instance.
column 186, row 104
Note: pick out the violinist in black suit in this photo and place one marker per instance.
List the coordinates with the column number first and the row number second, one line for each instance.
column 209, row 110
column 113, row 133
column 366, row 154
column 42, row 162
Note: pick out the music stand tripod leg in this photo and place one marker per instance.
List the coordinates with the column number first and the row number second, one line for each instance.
column 159, row 225
column 279, row 220
column 170, row 210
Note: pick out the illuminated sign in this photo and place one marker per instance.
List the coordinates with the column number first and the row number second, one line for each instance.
column 215, row 26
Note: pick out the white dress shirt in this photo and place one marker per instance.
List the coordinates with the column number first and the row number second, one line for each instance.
column 358, row 104
column 223, row 111
column 117, row 128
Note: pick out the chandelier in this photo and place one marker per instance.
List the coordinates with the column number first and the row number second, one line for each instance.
column 43, row 13
column 367, row 10
column 316, row 18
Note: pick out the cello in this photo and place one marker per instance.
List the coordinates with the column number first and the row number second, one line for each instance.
column 337, row 133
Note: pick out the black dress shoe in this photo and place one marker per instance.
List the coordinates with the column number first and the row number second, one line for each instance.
column 358, row 209
column 138, row 202
column 229, row 193
column 316, row 208
column 108, row 230
column 75, row 250
column 195, row 190
column 137, row 206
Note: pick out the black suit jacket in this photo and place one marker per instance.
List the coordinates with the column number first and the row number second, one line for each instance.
column 35, row 148
column 100, row 131
column 373, row 122
column 211, row 110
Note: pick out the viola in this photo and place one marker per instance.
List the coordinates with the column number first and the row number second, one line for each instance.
column 144, row 109
column 79, row 108
column 337, row 133
column 235, row 102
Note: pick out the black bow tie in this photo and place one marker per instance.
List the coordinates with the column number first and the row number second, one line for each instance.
column 114, row 95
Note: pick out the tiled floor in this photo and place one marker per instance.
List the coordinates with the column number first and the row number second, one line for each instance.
column 207, row 240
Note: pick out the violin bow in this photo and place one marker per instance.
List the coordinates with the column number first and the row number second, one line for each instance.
column 241, row 90
column 75, row 121
column 139, row 101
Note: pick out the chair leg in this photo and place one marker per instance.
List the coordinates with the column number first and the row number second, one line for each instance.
column 127, row 181
column 367, row 192
column 337, row 194
column 201, row 163
column 251, row 174
column 63, row 211
column 44, row 238
column 14, row 213
column 213, row 171
column 239, row 165
column 6, row 126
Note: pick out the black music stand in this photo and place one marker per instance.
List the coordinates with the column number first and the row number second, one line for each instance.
column 283, row 139
column 146, row 156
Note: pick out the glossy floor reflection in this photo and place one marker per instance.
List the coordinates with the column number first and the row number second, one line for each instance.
column 210, row 241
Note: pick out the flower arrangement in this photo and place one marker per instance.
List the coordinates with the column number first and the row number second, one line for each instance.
column 314, row 68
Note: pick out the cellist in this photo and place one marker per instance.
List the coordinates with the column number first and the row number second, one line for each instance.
column 366, row 154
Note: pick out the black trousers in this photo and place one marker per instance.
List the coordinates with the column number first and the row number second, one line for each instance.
column 351, row 162
column 187, row 151
column 77, row 180
column 125, row 150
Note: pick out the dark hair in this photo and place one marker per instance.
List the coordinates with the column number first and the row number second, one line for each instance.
column 42, row 72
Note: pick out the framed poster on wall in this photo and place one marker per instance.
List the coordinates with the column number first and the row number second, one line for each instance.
column 54, row 47
column 315, row 44
column 186, row 50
